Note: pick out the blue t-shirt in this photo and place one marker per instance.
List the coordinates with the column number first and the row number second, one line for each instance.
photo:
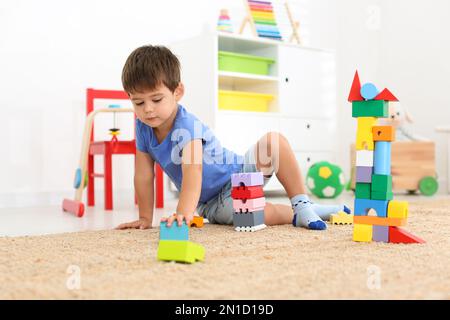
column 218, row 162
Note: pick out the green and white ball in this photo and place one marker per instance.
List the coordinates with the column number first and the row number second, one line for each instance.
column 325, row 180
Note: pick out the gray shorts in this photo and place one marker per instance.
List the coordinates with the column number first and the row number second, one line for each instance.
column 219, row 210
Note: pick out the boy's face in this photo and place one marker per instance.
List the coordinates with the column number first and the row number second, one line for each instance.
column 155, row 107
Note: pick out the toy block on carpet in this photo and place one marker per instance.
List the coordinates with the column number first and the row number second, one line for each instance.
column 180, row 251
column 248, row 219
column 197, row 222
column 241, row 193
column 398, row 209
column 380, row 234
column 364, row 174
column 383, row 133
column 381, row 183
column 382, row 158
column 249, row 205
column 363, row 206
column 247, row 179
column 371, row 108
column 174, row 232
column 362, row 191
column 377, row 221
column 362, row 233
column 341, row 218
column 397, row 235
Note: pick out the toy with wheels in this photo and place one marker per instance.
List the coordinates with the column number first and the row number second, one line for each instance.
column 76, row 205
column 413, row 167
column 325, row 180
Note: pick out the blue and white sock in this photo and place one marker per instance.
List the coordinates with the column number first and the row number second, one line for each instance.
column 304, row 215
column 325, row 211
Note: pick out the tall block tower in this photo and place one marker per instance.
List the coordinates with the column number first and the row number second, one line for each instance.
column 377, row 216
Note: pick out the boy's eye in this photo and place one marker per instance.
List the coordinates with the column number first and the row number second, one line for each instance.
column 158, row 100
column 139, row 103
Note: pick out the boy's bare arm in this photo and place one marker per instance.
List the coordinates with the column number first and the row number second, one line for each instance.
column 191, row 185
column 144, row 186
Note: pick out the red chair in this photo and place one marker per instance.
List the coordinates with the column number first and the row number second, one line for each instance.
column 107, row 149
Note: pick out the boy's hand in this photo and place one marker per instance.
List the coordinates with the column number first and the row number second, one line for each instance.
column 142, row 223
column 179, row 218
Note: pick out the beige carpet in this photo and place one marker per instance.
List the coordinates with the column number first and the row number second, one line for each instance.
column 276, row 263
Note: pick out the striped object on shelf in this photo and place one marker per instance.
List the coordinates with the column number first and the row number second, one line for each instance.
column 264, row 19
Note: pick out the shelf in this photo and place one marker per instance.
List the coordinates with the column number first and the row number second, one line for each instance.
column 246, row 76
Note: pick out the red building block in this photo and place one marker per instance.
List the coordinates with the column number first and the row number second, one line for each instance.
column 242, row 193
column 386, row 95
column 355, row 92
column 397, row 235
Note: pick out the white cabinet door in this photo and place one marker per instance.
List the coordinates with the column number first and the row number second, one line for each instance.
column 307, row 82
column 309, row 134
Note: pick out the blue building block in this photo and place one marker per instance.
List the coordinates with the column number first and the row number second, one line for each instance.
column 369, row 91
column 174, row 232
column 382, row 158
column 363, row 206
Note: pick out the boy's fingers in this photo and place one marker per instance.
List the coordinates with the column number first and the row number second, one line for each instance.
column 180, row 220
column 169, row 221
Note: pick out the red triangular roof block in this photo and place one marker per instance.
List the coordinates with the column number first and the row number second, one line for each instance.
column 386, row 95
column 355, row 92
column 397, row 235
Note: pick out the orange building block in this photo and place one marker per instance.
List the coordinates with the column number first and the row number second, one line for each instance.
column 383, row 133
column 197, row 222
column 377, row 221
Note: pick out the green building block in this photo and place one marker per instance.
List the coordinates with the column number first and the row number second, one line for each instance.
column 382, row 195
column 371, row 108
column 381, row 184
column 180, row 251
column 362, row 191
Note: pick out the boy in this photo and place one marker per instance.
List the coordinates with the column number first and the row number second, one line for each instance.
column 193, row 158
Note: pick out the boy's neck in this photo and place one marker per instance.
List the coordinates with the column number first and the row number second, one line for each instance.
column 163, row 130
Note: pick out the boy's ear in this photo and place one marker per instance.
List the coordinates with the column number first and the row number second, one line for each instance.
column 179, row 92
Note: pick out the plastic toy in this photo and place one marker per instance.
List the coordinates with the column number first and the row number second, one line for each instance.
column 248, row 201
column 341, row 218
column 197, row 222
column 377, row 194
column 325, row 180
column 174, row 244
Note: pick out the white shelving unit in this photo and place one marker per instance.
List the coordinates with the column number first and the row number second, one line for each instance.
column 303, row 81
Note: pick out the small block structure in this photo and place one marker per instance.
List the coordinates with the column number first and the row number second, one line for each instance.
column 180, row 251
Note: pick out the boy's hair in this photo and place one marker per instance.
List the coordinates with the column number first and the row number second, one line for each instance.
column 148, row 67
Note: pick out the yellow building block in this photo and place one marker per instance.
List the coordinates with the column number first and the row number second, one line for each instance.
column 364, row 134
column 362, row 233
column 341, row 218
column 398, row 209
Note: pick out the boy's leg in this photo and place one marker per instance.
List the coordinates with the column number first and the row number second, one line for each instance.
column 275, row 155
column 277, row 214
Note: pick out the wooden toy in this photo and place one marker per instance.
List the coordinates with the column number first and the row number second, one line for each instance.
column 380, row 234
column 364, row 174
column 379, row 221
column 398, row 209
column 363, row 206
column 174, row 232
column 362, row 233
column 364, row 158
column 241, row 193
column 180, row 251
column 355, row 92
column 413, row 163
column 197, row 222
column 386, row 95
column 382, row 158
column 364, row 134
column 397, row 235
column 371, row 108
column 362, row 190
column 341, row 218
column 295, row 25
column 383, row 133
column 369, row 91
column 224, row 23
column 249, row 205
column 261, row 18
column 376, row 193
column 247, row 179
